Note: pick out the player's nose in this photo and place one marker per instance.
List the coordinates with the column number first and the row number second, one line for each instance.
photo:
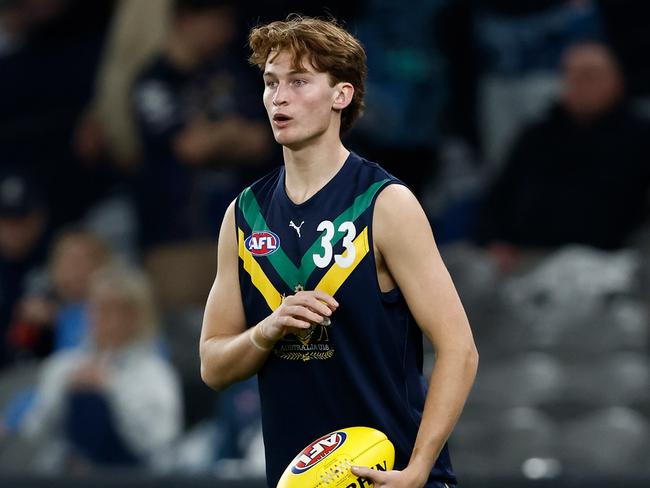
column 280, row 95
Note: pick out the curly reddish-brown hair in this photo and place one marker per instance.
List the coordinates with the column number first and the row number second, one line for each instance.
column 326, row 45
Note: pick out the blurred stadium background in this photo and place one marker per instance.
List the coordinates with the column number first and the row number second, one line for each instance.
column 126, row 126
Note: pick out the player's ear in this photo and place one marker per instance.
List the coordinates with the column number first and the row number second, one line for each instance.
column 344, row 92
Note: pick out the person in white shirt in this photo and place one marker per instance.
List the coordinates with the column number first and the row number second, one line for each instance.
column 115, row 401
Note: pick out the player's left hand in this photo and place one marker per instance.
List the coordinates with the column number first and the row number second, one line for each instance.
column 389, row 479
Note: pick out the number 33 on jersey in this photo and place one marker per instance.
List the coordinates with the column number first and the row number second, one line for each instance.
column 344, row 260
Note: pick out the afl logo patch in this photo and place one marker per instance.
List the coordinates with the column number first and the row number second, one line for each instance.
column 262, row 243
column 318, row 450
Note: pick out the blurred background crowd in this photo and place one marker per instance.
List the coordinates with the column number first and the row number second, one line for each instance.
column 127, row 126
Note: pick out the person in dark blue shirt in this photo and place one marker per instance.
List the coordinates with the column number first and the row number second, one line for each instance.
column 199, row 125
column 579, row 175
column 328, row 274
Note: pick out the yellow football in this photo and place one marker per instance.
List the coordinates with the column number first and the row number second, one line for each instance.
column 326, row 462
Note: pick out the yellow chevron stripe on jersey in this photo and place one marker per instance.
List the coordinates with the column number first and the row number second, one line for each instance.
column 258, row 277
column 337, row 275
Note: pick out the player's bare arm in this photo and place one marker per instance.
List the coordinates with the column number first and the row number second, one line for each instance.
column 407, row 253
column 229, row 350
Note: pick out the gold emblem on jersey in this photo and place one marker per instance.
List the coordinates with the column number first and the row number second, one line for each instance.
column 306, row 344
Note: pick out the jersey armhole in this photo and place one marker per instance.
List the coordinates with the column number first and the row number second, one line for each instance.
column 394, row 295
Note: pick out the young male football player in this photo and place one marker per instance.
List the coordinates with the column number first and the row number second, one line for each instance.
column 328, row 274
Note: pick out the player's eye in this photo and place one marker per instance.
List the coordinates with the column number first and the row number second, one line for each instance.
column 271, row 83
column 299, row 82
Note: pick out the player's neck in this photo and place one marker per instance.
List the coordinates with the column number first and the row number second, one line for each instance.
column 310, row 168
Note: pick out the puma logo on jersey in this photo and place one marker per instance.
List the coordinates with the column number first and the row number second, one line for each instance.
column 297, row 227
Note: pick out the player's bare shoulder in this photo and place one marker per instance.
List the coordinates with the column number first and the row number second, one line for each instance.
column 397, row 216
column 227, row 234
column 397, row 212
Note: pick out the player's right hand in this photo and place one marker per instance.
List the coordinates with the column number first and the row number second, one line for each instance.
column 299, row 311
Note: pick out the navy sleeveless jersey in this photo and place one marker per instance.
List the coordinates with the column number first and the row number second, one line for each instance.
column 362, row 368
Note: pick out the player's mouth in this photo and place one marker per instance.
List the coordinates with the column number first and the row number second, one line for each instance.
column 281, row 120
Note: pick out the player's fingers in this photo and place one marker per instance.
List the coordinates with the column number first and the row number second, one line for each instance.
column 371, row 474
column 301, row 312
column 319, row 307
column 324, row 297
column 308, row 300
column 319, row 295
column 288, row 321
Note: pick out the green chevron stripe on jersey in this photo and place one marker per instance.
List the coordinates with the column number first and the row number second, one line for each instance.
column 287, row 270
column 255, row 220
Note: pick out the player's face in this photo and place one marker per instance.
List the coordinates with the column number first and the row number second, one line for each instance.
column 300, row 104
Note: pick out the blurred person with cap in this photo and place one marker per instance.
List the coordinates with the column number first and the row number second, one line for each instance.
column 116, row 401
column 578, row 176
column 23, row 245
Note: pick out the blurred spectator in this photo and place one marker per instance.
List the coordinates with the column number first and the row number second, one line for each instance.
column 199, row 118
column 23, row 245
column 581, row 175
column 46, row 80
column 108, row 128
column 403, row 90
column 521, row 46
column 13, row 25
column 502, row 58
column 115, row 402
column 58, row 309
